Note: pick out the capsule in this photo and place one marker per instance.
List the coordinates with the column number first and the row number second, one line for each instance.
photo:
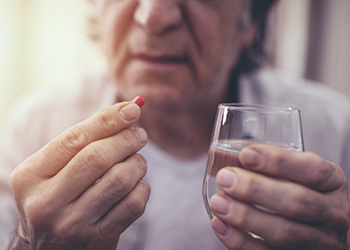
column 139, row 100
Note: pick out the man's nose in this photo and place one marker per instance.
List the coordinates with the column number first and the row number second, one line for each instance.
column 157, row 16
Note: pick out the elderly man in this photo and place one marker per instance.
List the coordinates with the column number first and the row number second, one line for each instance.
column 81, row 182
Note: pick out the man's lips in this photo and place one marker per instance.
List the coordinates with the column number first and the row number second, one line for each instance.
column 162, row 59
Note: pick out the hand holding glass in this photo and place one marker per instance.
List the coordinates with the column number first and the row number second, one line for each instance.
column 237, row 126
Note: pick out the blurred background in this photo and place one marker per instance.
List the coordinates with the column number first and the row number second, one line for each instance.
column 46, row 42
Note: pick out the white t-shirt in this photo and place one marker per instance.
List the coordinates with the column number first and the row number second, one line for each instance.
column 175, row 217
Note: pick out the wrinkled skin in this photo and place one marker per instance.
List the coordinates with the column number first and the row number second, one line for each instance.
column 308, row 197
column 178, row 54
column 174, row 52
column 82, row 190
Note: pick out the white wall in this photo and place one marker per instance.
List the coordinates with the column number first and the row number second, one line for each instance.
column 43, row 42
column 327, row 59
column 291, row 25
column 10, row 46
column 334, row 68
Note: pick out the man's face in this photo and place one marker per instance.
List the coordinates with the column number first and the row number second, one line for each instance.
column 172, row 51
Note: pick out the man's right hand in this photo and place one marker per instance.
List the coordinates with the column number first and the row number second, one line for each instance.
column 85, row 187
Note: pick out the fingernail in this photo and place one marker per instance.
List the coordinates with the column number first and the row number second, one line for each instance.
column 140, row 134
column 219, row 226
column 226, row 178
column 250, row 157
column 129, row 112
column 219, row 204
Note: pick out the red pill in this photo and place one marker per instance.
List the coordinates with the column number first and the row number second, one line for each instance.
column 139, row 100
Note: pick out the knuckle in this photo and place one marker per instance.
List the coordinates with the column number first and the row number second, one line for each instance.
column 74, row 139
column 36, row 210
column 129, row 137
column 319, row 171
column 105, row 117
column 120, row 182
column 130, row 143
column 69, row 225
column 146, row 188
column 298, row 201
column 341, row 177
column 339, row 217
column 95, row 158
column 320, row 174
column 136, row 202
column 141, row 162
column 281, row 234
column 136, row 208
column 15, row 181
column 346, row 217
column 298, row 197
column 279, row 159
column 250, row 189
column 241, row 215
column 303, row 205
column 62, row 228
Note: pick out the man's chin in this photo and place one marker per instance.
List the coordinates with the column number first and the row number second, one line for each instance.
column 155, row 92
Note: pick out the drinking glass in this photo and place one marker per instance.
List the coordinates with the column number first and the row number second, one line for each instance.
column 239, row 125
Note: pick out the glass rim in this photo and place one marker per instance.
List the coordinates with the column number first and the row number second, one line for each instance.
column 256, row 107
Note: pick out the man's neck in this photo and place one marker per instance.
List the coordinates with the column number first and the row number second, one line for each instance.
column 183, row 134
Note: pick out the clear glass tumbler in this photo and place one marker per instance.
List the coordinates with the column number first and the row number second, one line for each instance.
column 239, row 125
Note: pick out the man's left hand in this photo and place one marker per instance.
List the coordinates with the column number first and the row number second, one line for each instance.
column 291, row 200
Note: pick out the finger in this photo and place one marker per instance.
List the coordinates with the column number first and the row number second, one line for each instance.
column 121, row 216
column 111, row 188
column 94, row 161
column 275, row 230
column 61, row 150
column 284, row 197
column 235, row 239
column 303, row 167
column 103, row 233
